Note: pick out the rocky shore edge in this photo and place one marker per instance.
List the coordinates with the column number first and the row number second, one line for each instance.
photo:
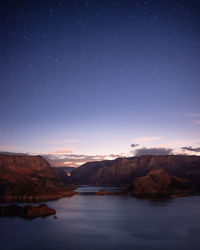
column 28, row 211
column 20, row 196
column 157, row 184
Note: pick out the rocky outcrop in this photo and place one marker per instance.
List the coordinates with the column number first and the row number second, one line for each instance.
column 26, row 211
column 38, row 194
column 158, row 183
column 30, row 179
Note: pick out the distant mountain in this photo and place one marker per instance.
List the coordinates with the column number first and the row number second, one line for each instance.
column 31, row 178
column 28, row 178
column 125, row 171
column 63, row 173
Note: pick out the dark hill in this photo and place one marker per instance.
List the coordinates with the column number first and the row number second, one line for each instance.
column 158, row 183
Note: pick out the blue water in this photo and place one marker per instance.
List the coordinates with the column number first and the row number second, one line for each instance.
column 110, row 222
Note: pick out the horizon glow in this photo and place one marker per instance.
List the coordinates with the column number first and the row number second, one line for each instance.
column 93, row 78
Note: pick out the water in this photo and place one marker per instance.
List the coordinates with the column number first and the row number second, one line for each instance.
column 93, row 189
column 113, row 222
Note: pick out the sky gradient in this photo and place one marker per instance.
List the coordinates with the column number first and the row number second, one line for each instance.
column 93, row 77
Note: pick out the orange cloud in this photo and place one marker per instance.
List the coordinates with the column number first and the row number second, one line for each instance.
column 8, row 148
column 62, row 141
column 62, row 152
column 147, row 139
column 75, row 160
column 64, row 148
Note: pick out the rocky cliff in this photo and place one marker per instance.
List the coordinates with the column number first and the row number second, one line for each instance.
column 29, row 178
column 125, row 171
column 159, row 183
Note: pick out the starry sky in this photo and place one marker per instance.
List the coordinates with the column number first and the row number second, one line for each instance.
column 86, row 79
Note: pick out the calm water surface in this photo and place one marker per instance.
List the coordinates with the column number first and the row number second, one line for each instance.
column 110, row 222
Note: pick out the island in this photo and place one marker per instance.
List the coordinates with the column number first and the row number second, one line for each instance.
column 28, row 211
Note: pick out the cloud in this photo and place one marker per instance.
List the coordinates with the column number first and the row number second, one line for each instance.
column 153, row 151
column 191, row 149
column 9, row 148
column 62, row 150
column 69, row 163
column 198, row 122
column 60, row 142
column 193, row 115
column 146, row 139
column 134, row 145
column 75, row 160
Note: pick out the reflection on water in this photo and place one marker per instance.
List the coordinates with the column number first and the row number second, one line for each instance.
column 111, row 222
column 93, row 189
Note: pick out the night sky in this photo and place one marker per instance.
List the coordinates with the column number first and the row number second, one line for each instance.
column 85, row 79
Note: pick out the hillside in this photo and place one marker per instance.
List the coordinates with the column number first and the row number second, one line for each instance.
column 123, row 171
column 28, row 178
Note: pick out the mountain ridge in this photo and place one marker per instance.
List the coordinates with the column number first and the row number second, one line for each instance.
column 123, row 171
